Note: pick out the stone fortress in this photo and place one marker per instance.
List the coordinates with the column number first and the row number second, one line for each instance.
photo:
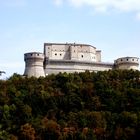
column 71, row 57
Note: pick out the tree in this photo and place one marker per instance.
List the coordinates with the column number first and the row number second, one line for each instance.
column 27, row 132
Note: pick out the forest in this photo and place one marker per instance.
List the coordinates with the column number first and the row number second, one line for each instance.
column 77, row 106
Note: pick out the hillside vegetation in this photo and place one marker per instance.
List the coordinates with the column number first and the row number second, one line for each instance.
column 79, row 106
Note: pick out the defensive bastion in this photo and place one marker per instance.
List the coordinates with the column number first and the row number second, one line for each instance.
column 71, row 57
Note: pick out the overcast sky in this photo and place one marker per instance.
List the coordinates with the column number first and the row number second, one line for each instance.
column 112, row 26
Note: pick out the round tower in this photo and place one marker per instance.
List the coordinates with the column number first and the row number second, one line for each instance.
column 34, row 64
column 127, row 63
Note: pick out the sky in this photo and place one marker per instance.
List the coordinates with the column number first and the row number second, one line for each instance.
column 112, row 26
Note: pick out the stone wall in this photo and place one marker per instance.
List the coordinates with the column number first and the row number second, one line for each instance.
column 56, row 66
column 68, row 51
column 71, row 57
column 127, row 63
column 34, row 64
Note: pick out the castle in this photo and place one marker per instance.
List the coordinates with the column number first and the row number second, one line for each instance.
column 71, row 57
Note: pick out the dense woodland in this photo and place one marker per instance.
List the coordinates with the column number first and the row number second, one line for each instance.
column 79, row 106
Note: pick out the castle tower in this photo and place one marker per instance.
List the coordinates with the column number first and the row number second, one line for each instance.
column 34, row 64
column 73, row 52
column 98, row 56
column 127, row 63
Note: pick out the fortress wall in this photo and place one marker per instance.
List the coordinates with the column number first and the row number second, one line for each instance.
column 70, row 52
column 72, row 66
column 34, row 71
column 127, row 66
column 98, row 56
column 86, row 52
column 73, row 52
column 60, row 51
column 71, row 57
column 84, row 56
column 83, row 48
column 34, row 64
column 48, row 51
column 127, row 63
column 127, row 60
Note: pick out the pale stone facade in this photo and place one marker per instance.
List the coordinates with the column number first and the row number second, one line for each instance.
column 71, row 57
column 34, row 64
column 127, row 63
column 82, row 52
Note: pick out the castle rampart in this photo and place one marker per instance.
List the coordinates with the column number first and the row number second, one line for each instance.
column 71, row 57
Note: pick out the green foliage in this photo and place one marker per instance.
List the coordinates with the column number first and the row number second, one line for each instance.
column 76, row 106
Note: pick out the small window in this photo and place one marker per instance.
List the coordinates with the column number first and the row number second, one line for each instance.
column 127, row 59
column 121, row 60
column 55, row 53
column 31, row 54
column 37, row 54
column 82, row 56
column 132, row 59
column 74, row 50
column 48, row 47
column 60, row 54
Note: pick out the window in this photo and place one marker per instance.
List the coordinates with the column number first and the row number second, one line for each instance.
column 60, row 54
column 127, row 59
column 82, row 56
column 55, row 54
column 132, row 59
column 37, row 54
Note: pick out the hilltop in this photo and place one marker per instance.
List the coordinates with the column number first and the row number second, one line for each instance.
column 78, row 106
